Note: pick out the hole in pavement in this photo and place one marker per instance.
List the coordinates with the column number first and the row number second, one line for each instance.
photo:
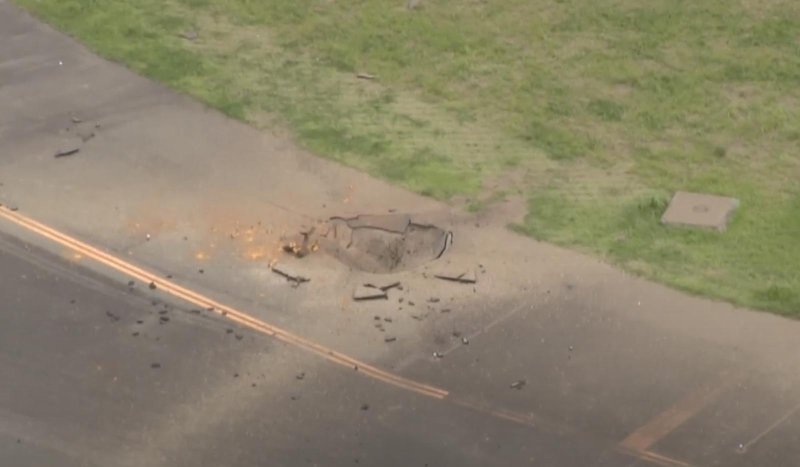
column 383, row 243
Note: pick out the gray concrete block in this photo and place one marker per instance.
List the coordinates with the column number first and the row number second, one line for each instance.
column 700, row 210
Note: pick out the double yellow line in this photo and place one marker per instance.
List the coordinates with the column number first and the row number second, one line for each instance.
column 230, row 313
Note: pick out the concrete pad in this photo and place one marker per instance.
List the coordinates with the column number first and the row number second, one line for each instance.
column 700, row 210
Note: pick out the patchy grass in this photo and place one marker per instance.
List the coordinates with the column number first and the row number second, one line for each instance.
column 605, row 107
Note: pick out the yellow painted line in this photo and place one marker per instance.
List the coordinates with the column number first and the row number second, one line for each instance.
column 238, row 316
column 636, row 444
column 657, row 459
column 643, row 438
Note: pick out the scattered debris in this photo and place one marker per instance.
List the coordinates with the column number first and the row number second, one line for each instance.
column 294, row 279
column 463, row 278
column 519, row 384
column 433, row 300
column 66, row 152
column 301, row 245
column 365, row 76
column 437, row 355
column 387, row 319
column 389, row 339
column 363, row 292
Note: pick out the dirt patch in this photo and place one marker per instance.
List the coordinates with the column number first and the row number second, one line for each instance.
column 383, row 244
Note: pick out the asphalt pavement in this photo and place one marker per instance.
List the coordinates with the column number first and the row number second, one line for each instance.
column 550, row 359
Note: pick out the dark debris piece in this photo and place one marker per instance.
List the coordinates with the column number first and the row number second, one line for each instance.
column 66, row 152
column 155, row 365
column 112, row 316
column 364, row 406
column 519, row 384
column 390, row 339
column 153, row 286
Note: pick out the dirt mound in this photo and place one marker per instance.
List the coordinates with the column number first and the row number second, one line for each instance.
column 383, row 244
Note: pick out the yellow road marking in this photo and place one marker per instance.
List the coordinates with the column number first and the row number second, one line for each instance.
column 226, row 311
column 643, row 438
column 636, row 444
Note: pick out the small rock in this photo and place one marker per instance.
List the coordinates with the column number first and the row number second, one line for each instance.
column 519, row 384
column 236, row 375
column 229, row 331
column 437, row 355
column 153, row 286
column 365, row 407
column 200, row 271
column 388, row 320
column 155, row 365
column 433, row 300
column 390, row 339
column 300, row 376
column 138, row 321
column 465, row 341
column 135, row 334
column 163, row 319
column 75, row 119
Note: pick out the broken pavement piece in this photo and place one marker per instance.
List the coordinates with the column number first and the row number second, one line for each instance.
column 362, row 292
column 468, row 277
column 295, row 279
column 384, row 288
column 69, row 151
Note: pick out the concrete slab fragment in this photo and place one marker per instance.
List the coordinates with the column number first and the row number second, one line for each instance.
column 700, row 210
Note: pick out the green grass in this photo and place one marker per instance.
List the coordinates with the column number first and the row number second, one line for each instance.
column 599, row 110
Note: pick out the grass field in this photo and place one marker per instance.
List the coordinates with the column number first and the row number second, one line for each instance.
column 595, row 112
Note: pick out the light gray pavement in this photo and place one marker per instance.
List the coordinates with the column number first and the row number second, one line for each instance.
column 610, row 361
